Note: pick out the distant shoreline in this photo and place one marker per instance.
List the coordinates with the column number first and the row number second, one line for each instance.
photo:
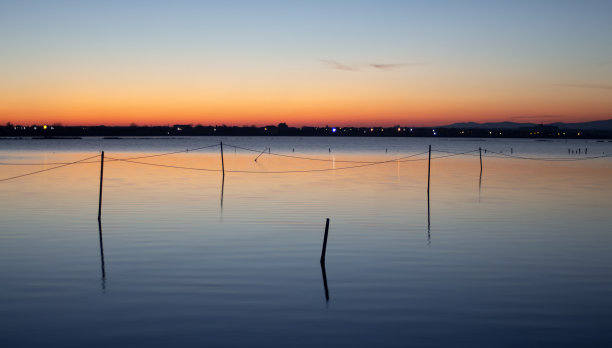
column 480, row 131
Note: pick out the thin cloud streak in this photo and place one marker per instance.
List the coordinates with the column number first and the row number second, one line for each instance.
column 393, row 66
column 332, row 64
column 587, row 85
column 335, row 65
column 537, row 117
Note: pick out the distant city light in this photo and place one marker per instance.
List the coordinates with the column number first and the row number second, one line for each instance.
column 334, row 129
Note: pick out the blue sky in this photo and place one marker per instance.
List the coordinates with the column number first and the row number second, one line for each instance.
column 520, row 49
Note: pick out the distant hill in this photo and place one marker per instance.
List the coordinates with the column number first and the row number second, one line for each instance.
column 598, row 125
column 494, row 125
column 593, row 125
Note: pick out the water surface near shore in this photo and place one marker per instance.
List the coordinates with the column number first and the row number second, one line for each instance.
column 519, row 256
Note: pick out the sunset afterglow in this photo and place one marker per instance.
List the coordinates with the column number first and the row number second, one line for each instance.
column 360, row 63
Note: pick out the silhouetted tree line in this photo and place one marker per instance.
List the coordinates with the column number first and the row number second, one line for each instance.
column 282, row 129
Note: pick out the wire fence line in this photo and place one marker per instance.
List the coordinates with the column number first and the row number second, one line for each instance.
column 129, row 158
column 366, row 164
column 48, row 169
column 548, row 159
column 356, row 164
column 493, row 154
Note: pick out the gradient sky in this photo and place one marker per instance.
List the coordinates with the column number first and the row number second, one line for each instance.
column 305, row 63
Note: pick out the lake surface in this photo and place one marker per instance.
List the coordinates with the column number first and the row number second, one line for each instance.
column 184, row 256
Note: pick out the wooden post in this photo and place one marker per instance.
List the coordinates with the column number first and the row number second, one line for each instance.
column 222, row 164
column 101, row 176
column 428, row 171
column 480, row 152
column 324, row 242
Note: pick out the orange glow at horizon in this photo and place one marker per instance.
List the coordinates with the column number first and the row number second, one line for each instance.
column 316, row 110
column 310, row 98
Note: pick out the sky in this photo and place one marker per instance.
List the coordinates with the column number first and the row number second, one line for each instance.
column 360, row 63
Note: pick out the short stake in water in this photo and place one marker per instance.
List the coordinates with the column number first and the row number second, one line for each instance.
column 101, row 176
column 324, row 242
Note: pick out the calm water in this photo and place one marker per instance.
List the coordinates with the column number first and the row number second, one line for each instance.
column 519, row 257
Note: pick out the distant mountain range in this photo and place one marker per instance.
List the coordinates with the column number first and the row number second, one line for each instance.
column 593, row 125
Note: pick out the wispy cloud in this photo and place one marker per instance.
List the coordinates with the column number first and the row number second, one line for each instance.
column 588, row 85
column 332, row 64
column 536, row 117
column 393, row 66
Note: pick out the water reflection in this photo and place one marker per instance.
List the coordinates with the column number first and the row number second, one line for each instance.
column 222, row 187
column 324, row 275
column 542, row 229
column 428, row 221
column 102, row 256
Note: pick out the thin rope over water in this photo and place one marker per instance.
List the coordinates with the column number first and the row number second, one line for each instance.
column 298, row 157
column 546, row 159
column 48, row 169
column 400, row 159
column 129, row 158
column 358, row 164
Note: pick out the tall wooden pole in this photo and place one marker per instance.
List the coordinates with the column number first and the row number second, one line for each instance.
column 101, row 176
column 222, row 164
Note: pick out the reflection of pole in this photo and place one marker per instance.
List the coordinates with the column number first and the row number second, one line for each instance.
column 428, row 171
column 222, row 164
column 102, row 255
column 428, row 181
column 428, row 215
column 324, row 242
column 428, row 222
column 480, row 153
column 101, row 175
column 325, row 282
column 222, row 186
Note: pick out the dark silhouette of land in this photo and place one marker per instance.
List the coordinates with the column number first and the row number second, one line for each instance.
column 589, row 130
